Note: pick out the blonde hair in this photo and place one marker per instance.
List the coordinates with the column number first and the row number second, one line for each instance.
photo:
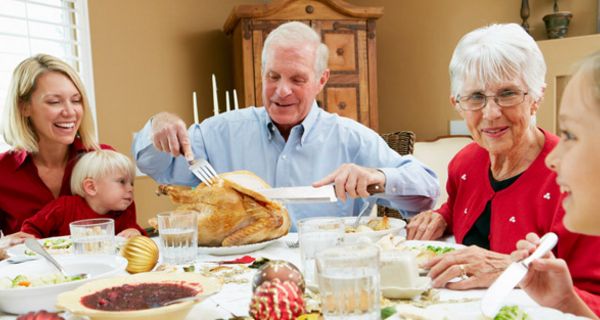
column 590, row 67
column 291, row 34
column 98, row 164
column 16, row 128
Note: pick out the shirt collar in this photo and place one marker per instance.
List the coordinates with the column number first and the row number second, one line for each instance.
column 306, row 124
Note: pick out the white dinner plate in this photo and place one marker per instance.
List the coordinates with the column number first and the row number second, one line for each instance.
column 233, row 250
column 472, row 311
column 19, row 250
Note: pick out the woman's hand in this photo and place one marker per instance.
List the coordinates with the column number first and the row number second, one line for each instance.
column 478, row 267
column 169, row 135
column 129, row 233
column 427, row 225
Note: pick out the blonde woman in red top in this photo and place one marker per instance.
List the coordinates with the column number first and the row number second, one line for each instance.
column 47, row 122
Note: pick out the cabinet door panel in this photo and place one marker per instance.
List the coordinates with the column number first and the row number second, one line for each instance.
column 342, row 51
column 343, row 101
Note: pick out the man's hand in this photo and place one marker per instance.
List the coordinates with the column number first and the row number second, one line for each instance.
column 352, row 179
column 479, row 268
column 427, row 225
column 169, row 134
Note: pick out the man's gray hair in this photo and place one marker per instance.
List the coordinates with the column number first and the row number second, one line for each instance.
column 292, row 34
column 497, row 53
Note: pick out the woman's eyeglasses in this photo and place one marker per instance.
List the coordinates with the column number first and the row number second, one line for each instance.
column 505, row 99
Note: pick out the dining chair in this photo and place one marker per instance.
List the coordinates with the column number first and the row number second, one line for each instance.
column 403, row 143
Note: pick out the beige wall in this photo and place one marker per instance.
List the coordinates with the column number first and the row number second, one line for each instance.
column 415, row 41
column 149, row 55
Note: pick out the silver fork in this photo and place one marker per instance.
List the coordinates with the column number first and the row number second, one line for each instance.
column 204, row 171
column 293, row 244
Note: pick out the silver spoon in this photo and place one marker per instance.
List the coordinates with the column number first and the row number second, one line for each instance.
column 366, row 208
column 36, row 247
column 184, row 299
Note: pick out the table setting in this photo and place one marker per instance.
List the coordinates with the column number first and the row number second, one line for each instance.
column 233, row 292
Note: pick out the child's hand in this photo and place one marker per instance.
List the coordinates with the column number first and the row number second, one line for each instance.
column 129, row 233
column 14, row 239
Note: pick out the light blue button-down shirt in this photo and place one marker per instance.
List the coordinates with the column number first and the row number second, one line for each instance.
column 247, row 139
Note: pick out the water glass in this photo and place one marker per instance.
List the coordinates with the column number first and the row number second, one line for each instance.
column 314, row 235
column 348, row 278
column 178, row 233
column 93, row 236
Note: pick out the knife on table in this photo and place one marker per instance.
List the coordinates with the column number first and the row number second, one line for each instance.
column 494, row 296
column 309, row 194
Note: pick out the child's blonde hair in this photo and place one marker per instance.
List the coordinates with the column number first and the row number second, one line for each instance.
column 98, row 164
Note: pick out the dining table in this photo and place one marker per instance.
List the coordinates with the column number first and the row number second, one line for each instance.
column 233, row 299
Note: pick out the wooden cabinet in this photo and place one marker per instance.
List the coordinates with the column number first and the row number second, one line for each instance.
column 347, row 30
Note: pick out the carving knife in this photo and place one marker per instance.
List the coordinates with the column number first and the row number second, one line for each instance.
column 494, row 296
column 309, row 194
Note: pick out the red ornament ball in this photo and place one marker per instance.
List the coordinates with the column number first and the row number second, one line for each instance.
column 40, row 315
column 279, row 269
column 277, row 300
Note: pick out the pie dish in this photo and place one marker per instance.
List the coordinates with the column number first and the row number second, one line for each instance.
column 204, row 286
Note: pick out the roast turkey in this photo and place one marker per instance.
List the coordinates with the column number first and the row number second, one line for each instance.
column 231, row 212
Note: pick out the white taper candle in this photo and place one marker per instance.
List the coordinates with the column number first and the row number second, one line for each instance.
column 195, row 107
column 215, row 99
column 235, row 101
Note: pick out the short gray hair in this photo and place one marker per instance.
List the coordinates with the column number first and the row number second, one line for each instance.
column 291, row 34
column 495, row 53
column 98, row 164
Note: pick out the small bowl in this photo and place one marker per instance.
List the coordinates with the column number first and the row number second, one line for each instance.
column 396, row 225
column 23, row 300
column 71, row 301
column 422, row 284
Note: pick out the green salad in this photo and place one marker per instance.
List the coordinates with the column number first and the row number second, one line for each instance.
column 439, row 250
column 512, row 313
column 54, row 246
column 23, row 281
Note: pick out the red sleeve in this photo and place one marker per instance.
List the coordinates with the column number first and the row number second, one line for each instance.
column 128, row 220
column 581, row 254
column 47, row 221
column 592, row 300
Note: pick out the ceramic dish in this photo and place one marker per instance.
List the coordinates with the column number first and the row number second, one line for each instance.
column 20, row 250
column 71, row 301
column 233, row 250
column 471, row 311
column 422, row 284
column 25, row 299
column 396, row 225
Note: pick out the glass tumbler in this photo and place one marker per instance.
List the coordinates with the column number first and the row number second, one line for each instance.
column 349, row 282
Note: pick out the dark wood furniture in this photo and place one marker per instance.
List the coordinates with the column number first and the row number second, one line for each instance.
column 348, row 31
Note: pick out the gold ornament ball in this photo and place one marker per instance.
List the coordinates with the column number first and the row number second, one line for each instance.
column 141, row 254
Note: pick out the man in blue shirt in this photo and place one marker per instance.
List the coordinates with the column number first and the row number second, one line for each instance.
column 290, row 141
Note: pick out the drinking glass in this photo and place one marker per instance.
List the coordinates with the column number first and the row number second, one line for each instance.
column 316, row 234
column 349, row 282
column 94, row 236
column 178, row 233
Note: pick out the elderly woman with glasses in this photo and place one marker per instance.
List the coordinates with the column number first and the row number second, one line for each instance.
column 499, row 188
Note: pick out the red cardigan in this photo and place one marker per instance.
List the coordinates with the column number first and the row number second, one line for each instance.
column 22, row 191
column 531, row 204
column 53, row 220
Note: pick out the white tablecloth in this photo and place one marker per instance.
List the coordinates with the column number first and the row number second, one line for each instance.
column 234, row 299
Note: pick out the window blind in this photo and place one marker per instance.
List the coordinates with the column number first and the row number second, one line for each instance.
column 56, row 27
